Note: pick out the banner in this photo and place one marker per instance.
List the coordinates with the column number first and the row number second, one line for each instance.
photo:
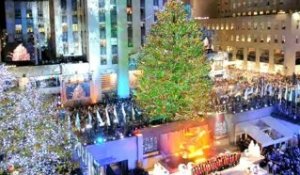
column 220, row 126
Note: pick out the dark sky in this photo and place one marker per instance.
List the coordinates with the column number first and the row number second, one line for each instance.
column 2, row 15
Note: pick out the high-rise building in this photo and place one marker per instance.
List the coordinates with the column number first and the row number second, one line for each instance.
column 68, row 26
column 109, row 33
column 259, row 35
column 28, row 22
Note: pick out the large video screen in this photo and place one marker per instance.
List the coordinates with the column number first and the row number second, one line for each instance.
column 78, row 91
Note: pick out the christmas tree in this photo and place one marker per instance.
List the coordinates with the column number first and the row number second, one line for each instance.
column 174, row 84
column 32, row 139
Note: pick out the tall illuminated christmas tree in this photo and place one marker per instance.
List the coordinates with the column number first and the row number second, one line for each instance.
column 32, row 139
column 174, row 84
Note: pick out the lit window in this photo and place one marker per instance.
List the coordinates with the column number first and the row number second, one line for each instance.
column 283, row 25
column 75, row 27
column 243, row 38
column 283, row 39
column 269, row 25
column 275, row 39
column 249, row 38
column 262, row 26
column 249, row 25
column 262, row 39
column 237, row 38
column 255, row 25
column 232, row 26
column 227, row 26
column 268, row 39
column 255, row 39
column 18, row 28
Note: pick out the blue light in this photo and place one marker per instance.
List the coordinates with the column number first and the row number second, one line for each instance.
column 100, row 140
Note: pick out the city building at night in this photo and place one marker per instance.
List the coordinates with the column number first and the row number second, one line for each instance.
column 261, row 36
column 150, row 87
column 82, row 40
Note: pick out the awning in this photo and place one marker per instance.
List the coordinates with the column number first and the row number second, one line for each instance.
column 257, row 133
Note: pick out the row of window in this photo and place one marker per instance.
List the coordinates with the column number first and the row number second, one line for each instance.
column 261, row 39
column 263, row 57
column 251, row 26
column 257, row 3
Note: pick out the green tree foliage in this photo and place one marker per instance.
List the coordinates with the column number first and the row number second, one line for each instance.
column 174, row 84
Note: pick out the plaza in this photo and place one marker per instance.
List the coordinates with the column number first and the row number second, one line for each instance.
column 149, row 87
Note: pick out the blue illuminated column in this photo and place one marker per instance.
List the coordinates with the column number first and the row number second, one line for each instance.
column 93, row 46
column 123, row 75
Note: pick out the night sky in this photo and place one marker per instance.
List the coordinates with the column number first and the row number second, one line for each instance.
column 2, row 15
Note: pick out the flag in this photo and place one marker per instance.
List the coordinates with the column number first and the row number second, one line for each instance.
column 251, row 90
column 291, row 94
column 246, row 94
column 77, row 122
column 116, row 119
column 107, row 116
column 270, row 89
column 297, row 94
column 69, row 122
column 100, row 121
column 133, row 113
column 124, row 113
column 280, row 94
column 257, row 90
column 89, row 124
column 286, row 93
column 266, row 89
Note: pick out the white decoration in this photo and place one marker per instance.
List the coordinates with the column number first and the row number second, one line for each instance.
column 30, row 133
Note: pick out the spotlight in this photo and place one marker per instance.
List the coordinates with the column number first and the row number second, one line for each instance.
column 100, row 140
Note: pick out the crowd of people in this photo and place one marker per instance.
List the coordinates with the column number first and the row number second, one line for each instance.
column 284, row 161
column 248, row 91
column 112, row 119
column 218, row 163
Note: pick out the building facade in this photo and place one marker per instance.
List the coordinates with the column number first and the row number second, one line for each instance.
column 28, row 22
column 258, row 35
column 109, row 33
